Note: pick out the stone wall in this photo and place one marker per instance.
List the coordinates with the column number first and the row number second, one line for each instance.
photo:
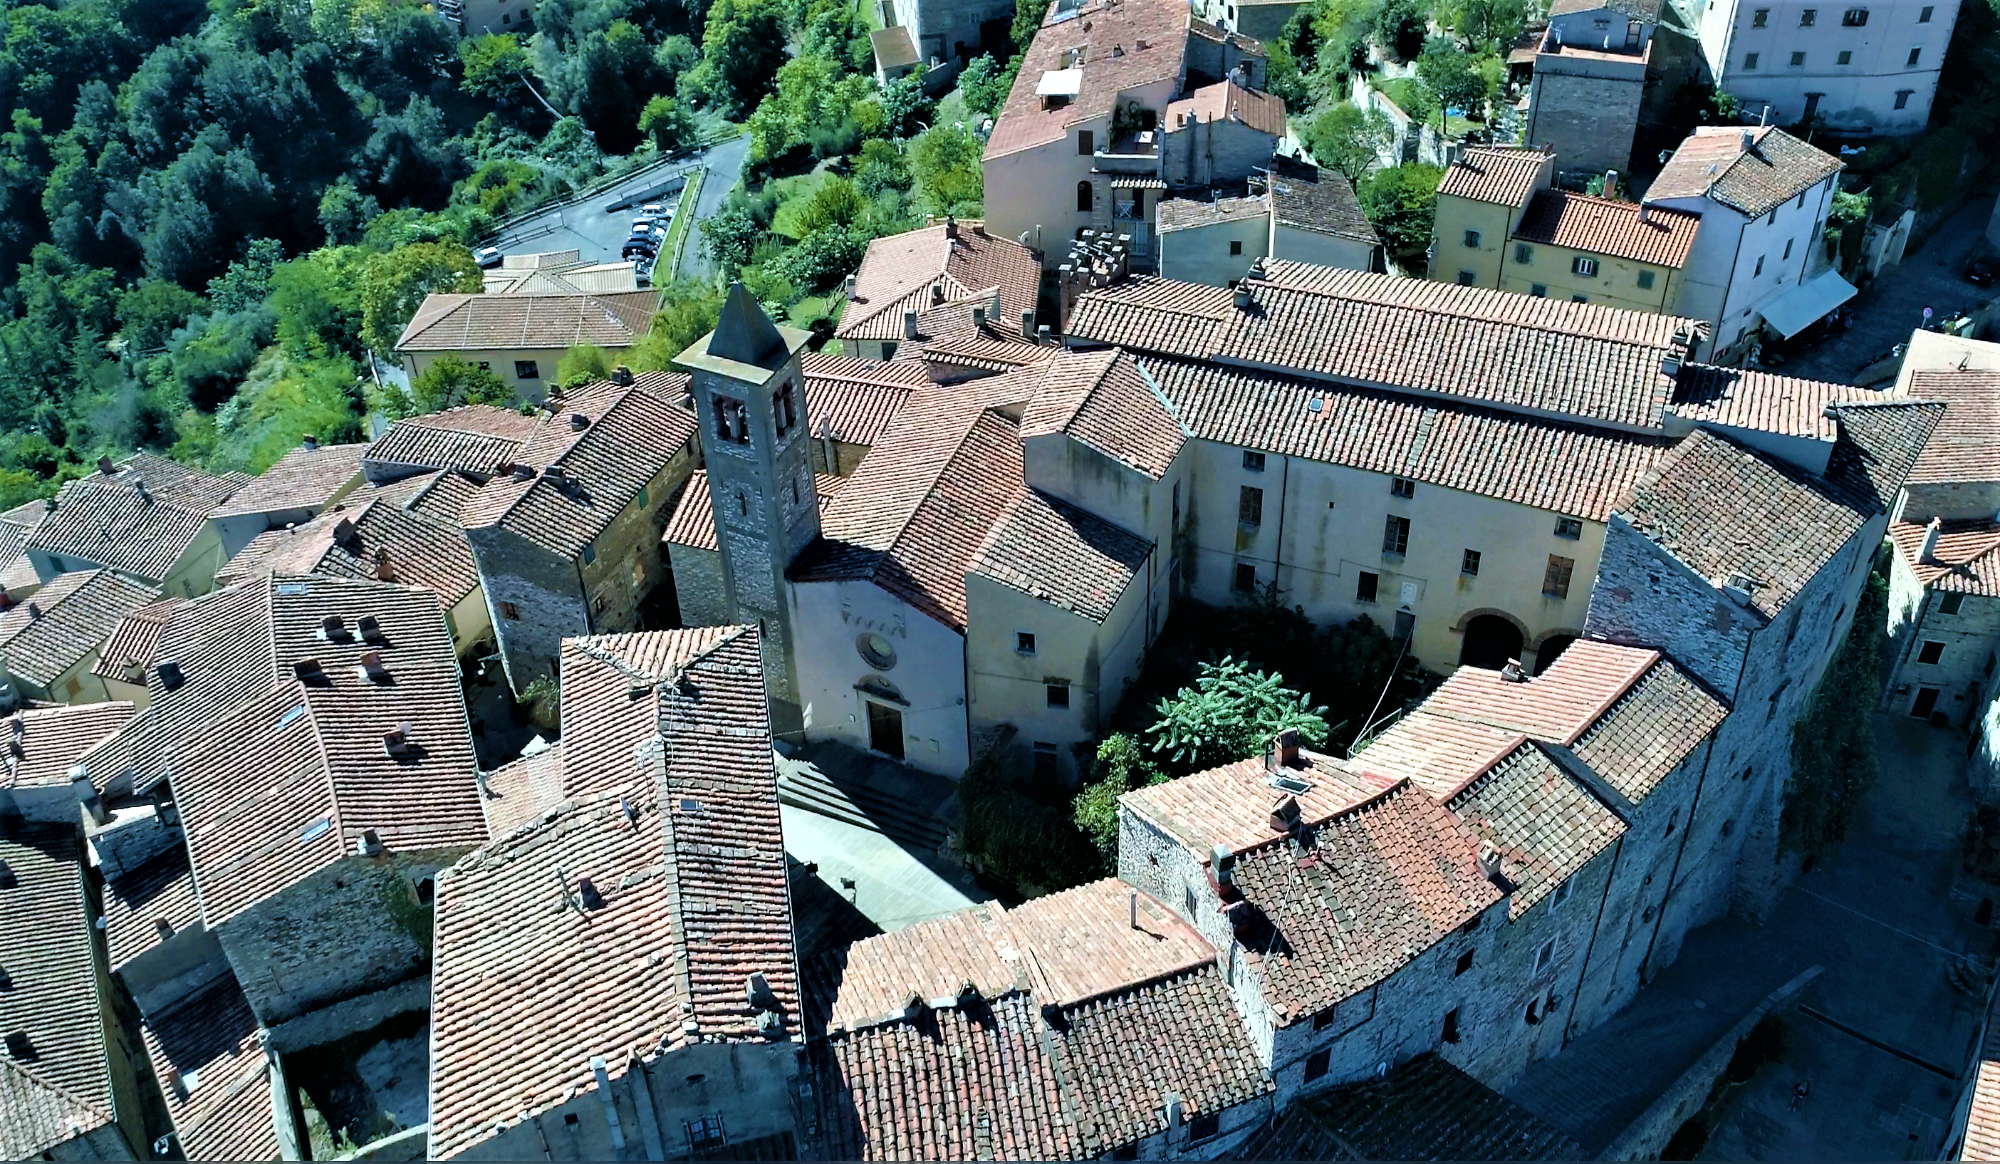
column 698, row 586
column 1586, row 109
column 536, row 599
column 1966, row 641
column 350, row 929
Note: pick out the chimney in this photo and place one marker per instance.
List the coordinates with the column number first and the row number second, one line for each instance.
column 1611, row 183
column 134, row 673
column 1173, row 1111
column 1670, row 366
column 950, row 228
column 86, row 795
column 1931, row 533
column 332, row 628
column 1132, row 907
column 175, row 1084
column 604, row 1093
column 34, row 609
column 163, row 927
column 847, row 287
column 105, row 466
column 1512, row 672
column 1242, row 297
column 1281, row 751
column 937, row 292
column 621, row 375
column 1028, row 324
column 587, row 892
column 578, row 422
column 979, row 316
column 757, row 992
column 1042, row 334
column 370, row 626
column 1749, row 141
column 369, row 844
column 7, row 878
column 371, row 665
column 1222, row 859
column 1645, row 212
column 1489, row 865
column 385, row 570
column 309, row 441
column 909, row 323
column 343, row 530
column 396, row 741
column 1285, row 813
column 309, row 671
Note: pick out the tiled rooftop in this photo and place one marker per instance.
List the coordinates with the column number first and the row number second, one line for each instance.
column 472, row 437
column 304, row 478
column 1963, row 561
column 134, row 642
column 1543, row 823
column 1151, row 39
column 1060, row 554
column 855, row 400
column 1741, row 398
column 49, row 634
column 1424, row 1109
column 63, row 1086
column 693, row 521
column 44, row 743
column 1227, row 101
column 222, row 1107
column 1231, row 805
column 1107, row 401
column 1606, row 226
column 1966, row 444
column 1187, row 213
column 138, row 519
column 900, row 271
column 1311, row 198
column 1502, row 174
column 1712, row 161
column 367, row 537
column 162, row 889
column 483, row 323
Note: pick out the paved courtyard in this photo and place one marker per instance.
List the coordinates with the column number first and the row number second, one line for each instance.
column 1886, row 313
column 1876, row 1034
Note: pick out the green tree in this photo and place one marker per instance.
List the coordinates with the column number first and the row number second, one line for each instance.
column 688, row 311
column 450, row 381
column 1834, row 762
column 345, row 212
column 1122, row 764
column 394, row 285
column 1452, row 77
column 495, row 65
column 944, row 160
column 151, row 311
column 583, row 364
column 282, row 397
column 1401, row 202
column 1349, row 141
column 984, row 84
column 1486, row 24
column 1400, row 28
column 668, row 123
column 1027, row 22
column 317, row 300
column 1229, row 713
column 742, row 48
column 729, row 236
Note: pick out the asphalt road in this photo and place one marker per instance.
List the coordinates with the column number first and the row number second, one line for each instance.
column 599, row 233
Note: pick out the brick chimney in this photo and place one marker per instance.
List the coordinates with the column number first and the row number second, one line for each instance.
column 309, row 441
column 1028, row 324
column 1281, row 751
column 1931, row 532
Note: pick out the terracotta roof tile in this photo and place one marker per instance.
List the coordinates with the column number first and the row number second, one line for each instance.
column 1966, row 444
column 1096, row 28
column 1728, row 511
column 1228, row 101
column 1424, row 1109
column 160, row 890
column 630, row 434
column 899, row 272
column 1740, row 398
column 52, row 997
column 138, row 520
column 222, row 1107
column 135, row 640
column 989, row 349
column 914, row 515
column 855, row 400
column 358, row 540
column 304, row 478
column 523, row 790
column 1608, row 227
column 474, row 438
column 1502, row 174
column 1062, row 555
column 1109, row 402
column 1713, row 162
column 1542, row 822
column 1318, row 199
column 1963, row 561
column 478, row 323
column 1186, row 213
column 1231, row 805
column 44, row 743
column 1982, row 1119
column 693, row 521
column 66, row 620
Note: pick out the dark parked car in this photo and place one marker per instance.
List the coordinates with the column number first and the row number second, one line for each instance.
column 1982, row 272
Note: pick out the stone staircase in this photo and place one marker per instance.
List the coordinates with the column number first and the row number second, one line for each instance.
column 890, row 812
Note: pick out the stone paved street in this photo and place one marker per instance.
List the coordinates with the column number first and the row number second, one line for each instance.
column 1882, row 917
column 1886, row 313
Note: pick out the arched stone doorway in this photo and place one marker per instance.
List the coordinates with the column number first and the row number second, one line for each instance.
column 1549, row 649
column 1490, row 641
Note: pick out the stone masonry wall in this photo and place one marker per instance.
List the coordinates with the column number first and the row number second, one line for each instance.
column 536, row 599
column 698, row 586
column 1586, row 110
column 349, row 929
column 1966, row 639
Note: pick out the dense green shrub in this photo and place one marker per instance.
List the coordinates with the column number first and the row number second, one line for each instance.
column 1833, row 745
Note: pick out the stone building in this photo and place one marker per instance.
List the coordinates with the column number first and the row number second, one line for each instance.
column 301, row 485
column 146, row 519
column 1219, row 133
column 1860, row 71
column 51, row 644
column 472, row 438
column 661, row 844
column 521, row 338
column 1590, row 75
column 123, row 659
column 68, row 1076
column 942, row 280
column 567, row 539
column 1296, row 211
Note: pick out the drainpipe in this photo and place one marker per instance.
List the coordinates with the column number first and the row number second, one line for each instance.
column 1590, row 947
column 642, row 1101
column 1284, row 499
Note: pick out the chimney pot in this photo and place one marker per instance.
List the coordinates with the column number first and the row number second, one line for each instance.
column 1931, row 532
column 396, row 741
column 909, row 323
column 105, row 466
column 847, row 287
column 1489, row 865
column 371, row 662
column 163, row 927
column 1285, row 813
column 592, row 899
column 1511, row 673
column 332, row 627
column 343, row 530
column 1611, row 183
column 1281, row 751
column 1222, row 859
column 1132, row 907
column 621, row 375
column 950, row 227
column 1242, row 297
column 979, row 317
column 1042, row 334
column 937, row 292
column 369, row 844
column 757, row 992
column 1749, row 140
column 385, row 570
column 176, row 1084
column 34, row 609
column 1028, row 324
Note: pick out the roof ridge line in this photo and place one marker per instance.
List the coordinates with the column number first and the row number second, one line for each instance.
column 1589, row 309
column 60, row 1089
column 1377, row 797
column 1604, row 706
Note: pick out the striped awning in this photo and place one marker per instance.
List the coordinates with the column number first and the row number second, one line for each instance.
column 1138, row 184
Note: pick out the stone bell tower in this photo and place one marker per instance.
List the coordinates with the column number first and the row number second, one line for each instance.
column 751, row 403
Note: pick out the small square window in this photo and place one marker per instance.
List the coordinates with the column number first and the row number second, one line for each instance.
column 1402, row 487
column 1569, row 527
column 1930, row 652
column 1915, row 54
column 1523, row 253
column 1235, row 246
column 1808, row 17
column 1846, row 57
column 589, row 554
column 1192, row 903
column 1317, row 1064
column 1750, row 62
column 1058, row 694
column 1253, row 461
column 1903, row 98
column 1085, row 143
column 1797, row 60
column 1469, row 563
column 1472, row 238
column 1539, row 290
column 1448, row 1031
column 1645, row 280
column 1950, row 603
column 1760, row 267
column 1364, row 587
column 1464, row 964
column 1246, row 578
column 1760, row 18
column 1854, row 18
column 1396, row 535
column 1583, row 265
column 1467, row 278
column 1924, row 17
column 1579, row 299
column 527, row 370
column 1024, row 642
column 1545, row 955
column 1046, row 769
column 1560, row 894
column 1205, row 1127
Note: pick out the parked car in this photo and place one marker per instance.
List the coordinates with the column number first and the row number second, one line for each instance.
column 638, row 245
column 1982, row 272
column 654, row 211
column 488, row 257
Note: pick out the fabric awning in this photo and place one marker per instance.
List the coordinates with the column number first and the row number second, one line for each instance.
column 1806, row 304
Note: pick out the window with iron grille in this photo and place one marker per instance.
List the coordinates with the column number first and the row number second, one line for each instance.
column 1364, row 588
column 1058, row 695
column 1396, row 535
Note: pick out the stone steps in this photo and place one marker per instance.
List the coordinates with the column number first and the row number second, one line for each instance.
column 804, row 787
